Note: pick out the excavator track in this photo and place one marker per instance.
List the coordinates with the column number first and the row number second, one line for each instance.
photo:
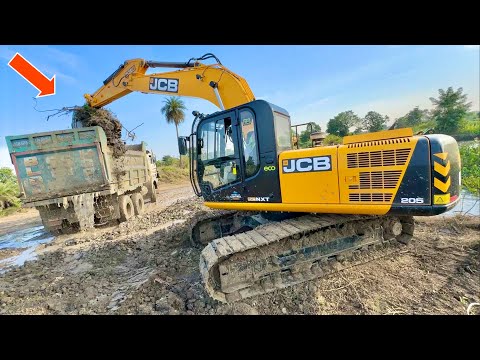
column 280, row 254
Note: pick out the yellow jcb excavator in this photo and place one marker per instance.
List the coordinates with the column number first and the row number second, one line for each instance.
column 286, row 216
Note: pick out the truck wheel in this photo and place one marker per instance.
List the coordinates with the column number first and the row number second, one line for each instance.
column 126, row 208
column 152, row 192
column 138, row 203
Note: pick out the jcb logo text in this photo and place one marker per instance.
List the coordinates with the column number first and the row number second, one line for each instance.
column 319, row 163
column 168, row 85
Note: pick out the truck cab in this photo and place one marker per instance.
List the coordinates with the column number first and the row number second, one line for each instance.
column 152, row 161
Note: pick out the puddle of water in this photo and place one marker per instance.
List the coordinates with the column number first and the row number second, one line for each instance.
column 469, row 204
column 26, row 238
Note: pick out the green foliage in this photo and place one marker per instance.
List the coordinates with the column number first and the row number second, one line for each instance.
column 340, row 125
column 172, row 174
column 304, row 136
column 450, row 107
column 171, row 171
column 7, row 175
column 413, row 118
column 469, row 126
column 423, row 126
column 9, row 192
column 174, row 111
column 470, row 155
column 9, row 188
column 168, row 160
column 374, row 121
column 332, row 140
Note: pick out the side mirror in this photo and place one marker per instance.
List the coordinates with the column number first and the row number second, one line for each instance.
column 182, row 145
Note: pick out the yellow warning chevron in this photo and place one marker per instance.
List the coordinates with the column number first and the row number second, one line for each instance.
column 440, row 185
column 442, row 156
column 442, row 170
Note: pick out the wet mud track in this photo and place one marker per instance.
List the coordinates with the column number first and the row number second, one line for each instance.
column 147, row 266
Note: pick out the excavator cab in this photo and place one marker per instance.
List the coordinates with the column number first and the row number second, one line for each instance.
column 228, row 160
column 242, row 159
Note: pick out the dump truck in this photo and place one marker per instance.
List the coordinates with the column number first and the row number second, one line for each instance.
column 75, row 182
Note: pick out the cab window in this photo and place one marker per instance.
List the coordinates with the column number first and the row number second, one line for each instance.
column 283, row 135
column 249, row 140
column 218, row 163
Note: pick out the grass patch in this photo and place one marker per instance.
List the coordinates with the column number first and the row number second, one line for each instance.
column 470, row 155
column 172, row 174
column 470, row 127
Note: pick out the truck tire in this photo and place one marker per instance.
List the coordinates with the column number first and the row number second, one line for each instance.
column 126, row 208
column 138, row 203
column 152, row 193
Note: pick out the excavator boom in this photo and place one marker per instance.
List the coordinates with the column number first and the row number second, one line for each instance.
column 213, row 82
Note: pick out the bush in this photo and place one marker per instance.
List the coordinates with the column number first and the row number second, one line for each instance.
column 332, row 140
column 469, row 127
column 7, row 175
column 470, row 155
column 430, row 124
column 168, row 160
column 170, row 171
column 172, row 174
column 9, row 190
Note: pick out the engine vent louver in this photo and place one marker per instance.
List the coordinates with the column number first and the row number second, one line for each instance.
column 379, row 142
column 370, row 197
column 378, row 180
column 377, row 158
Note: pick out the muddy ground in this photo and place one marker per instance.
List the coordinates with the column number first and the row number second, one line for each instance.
column 147, row 266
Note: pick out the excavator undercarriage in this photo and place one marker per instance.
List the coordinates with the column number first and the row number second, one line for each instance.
column 254, row 255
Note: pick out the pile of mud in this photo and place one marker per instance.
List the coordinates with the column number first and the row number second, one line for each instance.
column 87, row 116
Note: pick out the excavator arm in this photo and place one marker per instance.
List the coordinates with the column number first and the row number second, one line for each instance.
column 214, row 82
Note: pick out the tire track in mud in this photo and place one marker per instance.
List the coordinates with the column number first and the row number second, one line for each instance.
column 147, row 266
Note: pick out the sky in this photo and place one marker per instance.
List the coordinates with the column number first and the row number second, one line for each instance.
column 313, row 83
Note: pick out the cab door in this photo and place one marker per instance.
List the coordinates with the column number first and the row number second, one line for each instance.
column 218, row 158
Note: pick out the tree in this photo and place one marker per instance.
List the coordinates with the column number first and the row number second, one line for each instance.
column 374, row 121
column 450, row 107
column 340, row 125
column 8, row 187
column 7, row 175
column 305, row 135
column 174, row 111
column 412, row 118
column 9, row 193
column 168, row 160
column 332, row 140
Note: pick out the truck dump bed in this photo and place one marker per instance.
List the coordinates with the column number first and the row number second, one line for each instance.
column 60, row 163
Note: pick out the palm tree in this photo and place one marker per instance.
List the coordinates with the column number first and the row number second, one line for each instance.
column 8, row 193
column 174, row 113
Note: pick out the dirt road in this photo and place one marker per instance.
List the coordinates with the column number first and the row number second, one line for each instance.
column 147, row 266
column 28, row 217
column 21, row 220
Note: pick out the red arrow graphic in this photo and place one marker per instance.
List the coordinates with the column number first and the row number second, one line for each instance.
column 34, row 76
